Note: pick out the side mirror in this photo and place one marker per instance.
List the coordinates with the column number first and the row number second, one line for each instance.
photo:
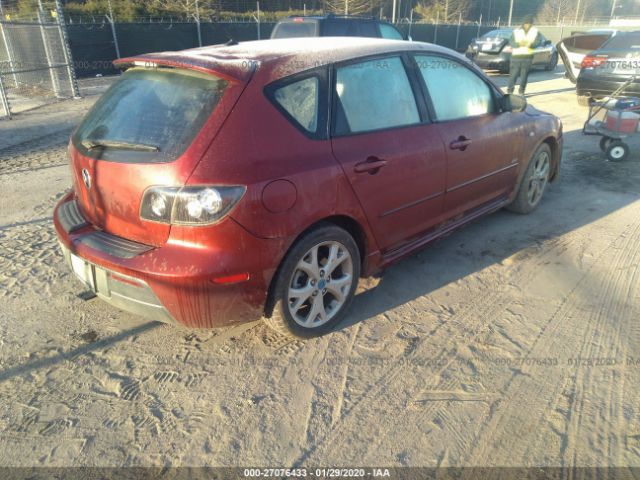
column 513, row 103
column 547, row 43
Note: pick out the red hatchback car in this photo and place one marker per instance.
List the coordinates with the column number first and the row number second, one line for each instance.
column 228, row 183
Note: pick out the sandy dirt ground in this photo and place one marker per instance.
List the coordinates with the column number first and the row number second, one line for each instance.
column 513, row 342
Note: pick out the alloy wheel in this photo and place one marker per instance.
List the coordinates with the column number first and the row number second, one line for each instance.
column 539, row 178
column 320, row 284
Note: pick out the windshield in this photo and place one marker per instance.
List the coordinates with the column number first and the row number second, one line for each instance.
column 501, row 34
column 149, row 115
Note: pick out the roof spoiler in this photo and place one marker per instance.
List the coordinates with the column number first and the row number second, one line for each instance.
column 230, row 68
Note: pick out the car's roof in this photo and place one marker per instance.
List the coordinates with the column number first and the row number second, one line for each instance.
column 353, row 18
column 301, row 17
column 237, row 61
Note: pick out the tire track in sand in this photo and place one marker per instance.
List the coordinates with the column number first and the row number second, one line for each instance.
column 563, row 402
column 465, row 326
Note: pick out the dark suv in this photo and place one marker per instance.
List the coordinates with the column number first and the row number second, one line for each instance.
column 335, row 26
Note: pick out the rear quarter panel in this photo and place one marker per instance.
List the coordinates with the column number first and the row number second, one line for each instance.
column 258, row 146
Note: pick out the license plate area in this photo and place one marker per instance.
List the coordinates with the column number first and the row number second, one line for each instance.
column 84, row 271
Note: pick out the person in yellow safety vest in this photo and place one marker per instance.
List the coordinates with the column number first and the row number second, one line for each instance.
column 523, row 42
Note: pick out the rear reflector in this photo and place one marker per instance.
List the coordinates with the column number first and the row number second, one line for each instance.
column 237, row 278
column 593, row 62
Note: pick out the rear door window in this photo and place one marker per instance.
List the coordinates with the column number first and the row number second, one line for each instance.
column 300, row 101
column 374, row 95
column 340, row 28
column 390, row 32
column 159, row 110
column 368, row 29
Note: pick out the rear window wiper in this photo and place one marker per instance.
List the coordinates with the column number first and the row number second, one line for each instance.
column 105, row 143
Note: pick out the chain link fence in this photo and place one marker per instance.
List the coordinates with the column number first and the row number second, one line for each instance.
column 38, row 43
column 36, row 66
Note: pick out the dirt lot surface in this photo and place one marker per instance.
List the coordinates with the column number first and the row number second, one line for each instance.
column 514, row 342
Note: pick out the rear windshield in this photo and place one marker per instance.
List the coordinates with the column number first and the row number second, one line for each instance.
column 149, row 115
column 503, row 34
column 623, row 41
column 294, row 29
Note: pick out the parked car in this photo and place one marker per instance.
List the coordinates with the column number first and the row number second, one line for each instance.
column 334, row 26
column 604, row 70
column 222, row 184
column 573, row 49
column 493, row 51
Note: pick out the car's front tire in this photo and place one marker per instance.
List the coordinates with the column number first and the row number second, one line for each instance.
column 534, row 181
column 315, row 283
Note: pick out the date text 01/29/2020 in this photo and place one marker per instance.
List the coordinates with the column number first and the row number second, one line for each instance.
column 317, row 472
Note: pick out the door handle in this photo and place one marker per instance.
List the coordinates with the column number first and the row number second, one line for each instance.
column 371, row 166
column 460, row 144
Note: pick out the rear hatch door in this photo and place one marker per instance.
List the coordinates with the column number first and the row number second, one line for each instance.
column 150, row 128
column 573, row 49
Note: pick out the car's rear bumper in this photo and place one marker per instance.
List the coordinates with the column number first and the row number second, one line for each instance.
column 595, row 86
column 182, row 281
column 488, row 60
column 121, row 291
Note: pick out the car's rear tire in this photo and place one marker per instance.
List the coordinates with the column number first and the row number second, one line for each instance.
column 553, row 63
column 315, row 283
column 534, row 182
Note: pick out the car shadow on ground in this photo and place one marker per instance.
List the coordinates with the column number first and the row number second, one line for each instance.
column 23, row 369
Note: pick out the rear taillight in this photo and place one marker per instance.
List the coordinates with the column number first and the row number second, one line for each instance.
column 190, row 205
column 593, row 62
